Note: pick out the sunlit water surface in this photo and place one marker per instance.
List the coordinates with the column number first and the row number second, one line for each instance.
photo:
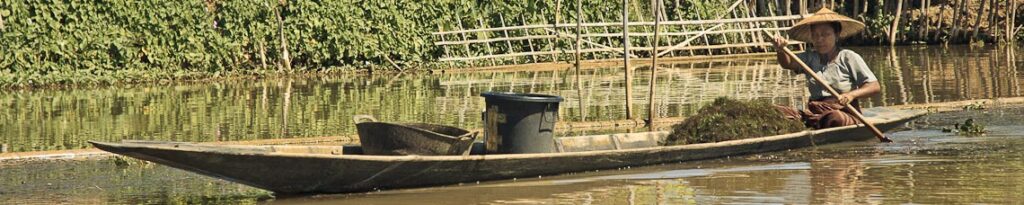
column 925, row 165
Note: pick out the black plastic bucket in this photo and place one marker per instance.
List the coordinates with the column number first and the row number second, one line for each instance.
column 520, row 122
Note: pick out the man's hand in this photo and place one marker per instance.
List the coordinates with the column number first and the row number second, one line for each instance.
column 779, row 42
column 845, row 98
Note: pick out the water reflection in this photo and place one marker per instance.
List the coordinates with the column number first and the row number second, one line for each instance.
column 292, row 108
column 924, row 166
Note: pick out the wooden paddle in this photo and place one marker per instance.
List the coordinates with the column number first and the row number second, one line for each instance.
column 854, row 111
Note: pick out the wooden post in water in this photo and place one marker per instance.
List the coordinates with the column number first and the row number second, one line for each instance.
column 654, row 67
column 579, row 85
column 1011, row 31
column 895, row 23
column 286, row 58
column 625, row 57
column 558, row 33
column 938, row 23
column 924, row 13
column 977, row 21
column 1008, row 21
column 993, row 12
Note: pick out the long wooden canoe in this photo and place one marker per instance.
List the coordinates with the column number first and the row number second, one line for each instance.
column 336, row 169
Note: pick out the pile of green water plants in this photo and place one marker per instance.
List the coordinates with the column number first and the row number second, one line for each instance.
column 968, row 128
column 729, row 119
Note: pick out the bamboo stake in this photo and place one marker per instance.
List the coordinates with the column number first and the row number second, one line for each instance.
column 957, row 15
column 485, row 36
column 654, row 68
column 1013, row 22
column 579, row 85
column 993, row 12
column 458, row 19
column 789, row 7
column 528, row 42
column 640, row 17
column 664, row 16
column 1008, row 21
column 924, row 13
column 585, row 32
column 286, row 57
column 740, row 36
column 446, row 52
column 803, row 7
column 895, row 23
column 977, row 20
column 625, row 46
column 263, row 54
column 856, row 113
column 938, row 26
column 507, row 42
column 554, row 46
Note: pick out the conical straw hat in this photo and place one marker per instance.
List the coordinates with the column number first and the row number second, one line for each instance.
column 802, row 30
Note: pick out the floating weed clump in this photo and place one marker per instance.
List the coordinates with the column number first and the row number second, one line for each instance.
column 728, row 119
column 969, row 127
column 975, row 106
column 124, row 162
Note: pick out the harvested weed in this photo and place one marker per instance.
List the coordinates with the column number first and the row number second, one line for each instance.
column 728, row 119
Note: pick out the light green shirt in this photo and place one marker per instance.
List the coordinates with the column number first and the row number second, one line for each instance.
column 845, row 73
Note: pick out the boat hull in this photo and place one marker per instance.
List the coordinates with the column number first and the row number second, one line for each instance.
column 329, row 169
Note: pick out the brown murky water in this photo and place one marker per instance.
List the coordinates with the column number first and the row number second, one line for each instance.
column 924, row 166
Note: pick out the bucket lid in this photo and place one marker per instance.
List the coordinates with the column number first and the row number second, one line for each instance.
column 522, row 97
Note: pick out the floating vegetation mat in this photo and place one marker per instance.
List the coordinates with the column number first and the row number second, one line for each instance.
column 729, row 119
column 968, row 128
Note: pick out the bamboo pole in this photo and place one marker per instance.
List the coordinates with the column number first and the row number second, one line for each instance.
column 1013, row 22
column 896, row 23
column 507, row 42
column 651, row 117
column 938, row 26
column 733, row 6
column 528, row 42
column 640, row 17
column 977, row 20
column 664, row 16
column 924, row 14
column 485, row 35
column 959, row 15
column 263, row 54
column 458, row 19
column 1008, row 22
column 286, row 58
column 447, row 53
column 579, row 85
column 572, row 36
column 645, row 48
column 625, row 46
column 637, row 23
column 595, row 44
column 993, row 12
column 554, row 46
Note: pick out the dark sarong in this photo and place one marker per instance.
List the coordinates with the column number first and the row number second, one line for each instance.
column 822, row 113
